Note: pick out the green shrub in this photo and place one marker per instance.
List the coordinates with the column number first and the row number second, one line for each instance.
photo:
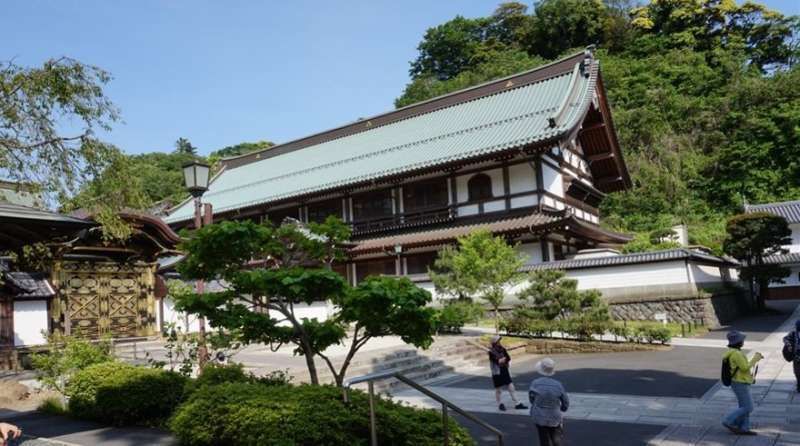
column 454, row 315
column 65, row 356
column 620, row 332
column 254, row 414
column 122, row 394
column 52, row 406
column 215, row 374
column 657, row 334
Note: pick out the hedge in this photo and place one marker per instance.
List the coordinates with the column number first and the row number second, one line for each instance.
column 584, row 329
column 123, row 394
column 256, row 414
column 454, row 315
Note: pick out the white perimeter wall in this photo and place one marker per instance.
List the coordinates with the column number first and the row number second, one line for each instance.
column 791, row 280
column 30, row 322
column 795, row 246
column 182, row 321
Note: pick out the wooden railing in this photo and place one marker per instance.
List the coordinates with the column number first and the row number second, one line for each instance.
column 405, row 219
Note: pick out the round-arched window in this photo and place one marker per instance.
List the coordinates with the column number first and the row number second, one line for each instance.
column 480, row 187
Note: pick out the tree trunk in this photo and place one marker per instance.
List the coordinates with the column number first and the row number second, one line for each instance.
column 496, row 320
column 763, row 293
column 312, row 367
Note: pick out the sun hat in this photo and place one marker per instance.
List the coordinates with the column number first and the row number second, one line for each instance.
column 496, row 339
column 735, row 337
column 546, row 367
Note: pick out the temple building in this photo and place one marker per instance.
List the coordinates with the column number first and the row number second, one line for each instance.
column 529, row 157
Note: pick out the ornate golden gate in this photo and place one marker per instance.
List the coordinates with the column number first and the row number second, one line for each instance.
column 99, row 298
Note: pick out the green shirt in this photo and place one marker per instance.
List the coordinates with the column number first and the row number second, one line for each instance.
column 740, row 365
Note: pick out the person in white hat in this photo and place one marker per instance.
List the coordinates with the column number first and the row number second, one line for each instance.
column 548, row 402
column 501, row 377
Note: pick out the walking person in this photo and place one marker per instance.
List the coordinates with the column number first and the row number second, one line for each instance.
column 548, row 402
column 791, row 343
column 738, row 421
column 499, row 360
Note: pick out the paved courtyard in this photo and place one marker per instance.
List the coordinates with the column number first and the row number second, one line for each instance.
column 656, row 398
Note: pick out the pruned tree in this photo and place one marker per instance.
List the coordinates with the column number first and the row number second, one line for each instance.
column 751, row 239
column 268, row 272
column 552, row 295
column 480, row 266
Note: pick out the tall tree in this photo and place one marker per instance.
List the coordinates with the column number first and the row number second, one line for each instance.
column 751, row 239
column 552, row 295
column 48, row 119
column 290, row 266
column 182, row 145
column 480, row 266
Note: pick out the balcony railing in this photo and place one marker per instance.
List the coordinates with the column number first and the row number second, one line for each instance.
column 414, row 218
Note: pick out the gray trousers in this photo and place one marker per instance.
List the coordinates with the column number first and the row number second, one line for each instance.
column 797, row 373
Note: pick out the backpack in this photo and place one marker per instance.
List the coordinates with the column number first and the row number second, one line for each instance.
column 789, row 347
column 727, row 374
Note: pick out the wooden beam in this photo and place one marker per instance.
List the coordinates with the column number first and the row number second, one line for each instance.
column 608, row 181
column 600, row 157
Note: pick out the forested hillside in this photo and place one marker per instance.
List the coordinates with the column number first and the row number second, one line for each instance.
column 705, row 97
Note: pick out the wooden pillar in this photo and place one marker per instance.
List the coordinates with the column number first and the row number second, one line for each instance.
column 539, row 180
column 506, row 185
column 545, row 249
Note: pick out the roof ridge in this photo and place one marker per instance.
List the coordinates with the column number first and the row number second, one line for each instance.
column 407, row 111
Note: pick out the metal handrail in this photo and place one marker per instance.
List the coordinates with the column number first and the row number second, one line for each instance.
column 372, row 377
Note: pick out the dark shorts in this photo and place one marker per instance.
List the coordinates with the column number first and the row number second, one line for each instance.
column 503, row 379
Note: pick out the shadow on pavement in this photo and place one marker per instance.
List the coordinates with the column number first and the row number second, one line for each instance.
column 758, row 327
column 520, row 431
column 681, row 372
column 88, row 433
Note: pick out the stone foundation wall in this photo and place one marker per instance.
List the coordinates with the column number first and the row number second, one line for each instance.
column 713, row 310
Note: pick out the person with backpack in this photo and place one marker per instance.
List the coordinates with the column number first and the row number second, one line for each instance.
column 501, row 377
column 548, row 401
column 791, row 351
column 737, row 373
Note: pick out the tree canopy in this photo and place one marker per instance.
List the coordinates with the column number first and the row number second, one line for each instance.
column 701, row 93
column 752, row 238
column 36, row 145
column 289, row 266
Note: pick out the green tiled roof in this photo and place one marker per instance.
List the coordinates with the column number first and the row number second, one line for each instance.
column 511, row 117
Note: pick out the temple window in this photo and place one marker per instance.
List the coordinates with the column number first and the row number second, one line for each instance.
column 382, row 267
column 425, row 195
column 373, row 205
column 479, row 187
column 320, row 210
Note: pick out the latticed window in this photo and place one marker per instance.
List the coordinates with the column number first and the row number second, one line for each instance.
column 480, row 187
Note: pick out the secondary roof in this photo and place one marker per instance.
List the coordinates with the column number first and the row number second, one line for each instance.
column 530, row 108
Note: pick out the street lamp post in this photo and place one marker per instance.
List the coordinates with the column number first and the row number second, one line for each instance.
column 196, row 176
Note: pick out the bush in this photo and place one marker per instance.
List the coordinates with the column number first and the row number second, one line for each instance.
column 65, row 356
column 122, row 394
column 215, row 374
column 656, row 334
column 454, row 315
column 254, row 414
column 620, row 332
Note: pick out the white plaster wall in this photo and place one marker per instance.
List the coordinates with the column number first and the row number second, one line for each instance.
column 663, row 273
column 795, row 246
column 552, row 180
column 791, row 280
column 30, row 322
column 183, row 322
column 705, row 273
column 467, row 210
column 494, row 206
column 317, row 310
column 521, row 178
column 533, row 251
column 527, row 201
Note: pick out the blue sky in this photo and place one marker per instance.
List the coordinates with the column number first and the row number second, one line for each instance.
column 223, row 72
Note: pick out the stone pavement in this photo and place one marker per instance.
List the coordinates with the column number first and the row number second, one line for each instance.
column 689, row 421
